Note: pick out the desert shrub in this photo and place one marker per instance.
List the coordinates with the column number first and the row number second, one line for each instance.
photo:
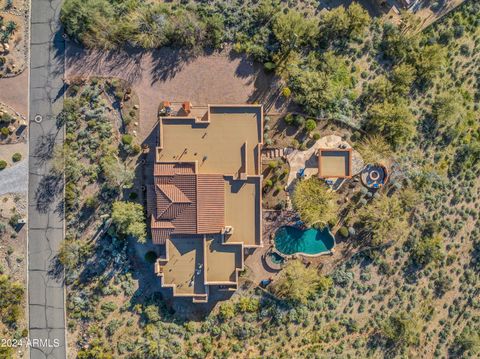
column 3, row 164
column 286, row 92
column 310, row 125
column 289, row 119
column 127, row 139
column 16, row 157
column 343, row 232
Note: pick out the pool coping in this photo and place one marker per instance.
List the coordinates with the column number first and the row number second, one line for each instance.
column 290, row 256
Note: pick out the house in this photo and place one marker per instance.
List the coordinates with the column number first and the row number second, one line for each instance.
column 205, row 202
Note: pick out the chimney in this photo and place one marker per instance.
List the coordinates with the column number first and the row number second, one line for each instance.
column 187, row 107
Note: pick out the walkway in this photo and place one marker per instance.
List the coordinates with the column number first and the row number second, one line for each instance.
column 45, row 190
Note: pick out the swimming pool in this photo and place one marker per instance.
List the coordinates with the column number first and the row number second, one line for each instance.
column 290, row 240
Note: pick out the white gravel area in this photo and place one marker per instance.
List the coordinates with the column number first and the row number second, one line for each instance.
column 14, row 179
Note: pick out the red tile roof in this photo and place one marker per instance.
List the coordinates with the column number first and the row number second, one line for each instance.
column 186, row 203
column 210, row 203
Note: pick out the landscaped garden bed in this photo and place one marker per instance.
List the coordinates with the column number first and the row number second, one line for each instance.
column 14, row 17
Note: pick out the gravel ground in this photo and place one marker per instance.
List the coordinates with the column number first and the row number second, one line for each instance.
column 14, row 179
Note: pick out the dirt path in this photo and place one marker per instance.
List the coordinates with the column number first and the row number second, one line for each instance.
column 14, row 92
column 170, row 75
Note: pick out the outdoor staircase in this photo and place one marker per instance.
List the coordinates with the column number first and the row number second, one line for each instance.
column 272, row 153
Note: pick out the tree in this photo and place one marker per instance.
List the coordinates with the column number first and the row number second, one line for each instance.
column 384, row 219
column 401, row 329
column 448, row 109
column 323, row 85
column 394, row 120
column 292, row 29
column 297, row 283
column 315, row 202
column 375, row 150
column 129, row 220
column 428, row 250
column 71, row 253
column 358, row 19
column 334, row 23
column 402, row 78
column 117, row 174
column 429, row 60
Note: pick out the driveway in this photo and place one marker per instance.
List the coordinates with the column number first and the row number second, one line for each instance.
column 13, row 92
column 170, row 75
column 14, row 179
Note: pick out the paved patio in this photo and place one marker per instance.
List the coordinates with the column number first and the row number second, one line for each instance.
column 307, row 159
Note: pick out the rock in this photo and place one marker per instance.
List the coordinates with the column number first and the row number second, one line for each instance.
column 136, row 107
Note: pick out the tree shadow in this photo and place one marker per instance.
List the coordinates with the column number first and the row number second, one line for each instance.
column 167, row 62
column 49, row 188
column 44, row 148
column 123, row 63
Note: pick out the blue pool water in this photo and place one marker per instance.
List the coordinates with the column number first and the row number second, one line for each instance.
column 291, row 240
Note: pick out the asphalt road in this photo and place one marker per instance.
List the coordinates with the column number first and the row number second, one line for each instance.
column 46, row 294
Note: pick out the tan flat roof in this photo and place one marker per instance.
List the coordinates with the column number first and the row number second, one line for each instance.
column 222, row 261
column 243, row 210
column 225, row 145
column 334, row 163
column 185, row 257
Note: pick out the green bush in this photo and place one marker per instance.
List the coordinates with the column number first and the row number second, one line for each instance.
column 127, row 139
column 288, row 119
column 3, row 164
column 310, row 125
column 16, row 157
column 269, row 66
column 4, row 131
column 343, row 232
column 286, row 92
column 299, row 121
